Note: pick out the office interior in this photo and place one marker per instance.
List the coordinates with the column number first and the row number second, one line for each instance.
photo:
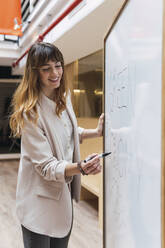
column 80, row 37
column 80, row 34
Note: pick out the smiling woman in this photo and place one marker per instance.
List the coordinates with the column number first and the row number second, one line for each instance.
column 50, row 165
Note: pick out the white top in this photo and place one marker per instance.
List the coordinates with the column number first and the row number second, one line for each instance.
column 68, row 133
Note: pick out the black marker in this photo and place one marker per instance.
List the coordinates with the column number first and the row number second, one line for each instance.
column 102, row 155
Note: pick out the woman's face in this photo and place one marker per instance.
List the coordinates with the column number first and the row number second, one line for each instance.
column 50, row 75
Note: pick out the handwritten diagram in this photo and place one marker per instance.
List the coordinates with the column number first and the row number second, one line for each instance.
column 120, row 92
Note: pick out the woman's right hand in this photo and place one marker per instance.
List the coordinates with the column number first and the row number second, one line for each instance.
column 92, row 166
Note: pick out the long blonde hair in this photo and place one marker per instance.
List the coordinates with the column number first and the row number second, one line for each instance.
column 27, row 94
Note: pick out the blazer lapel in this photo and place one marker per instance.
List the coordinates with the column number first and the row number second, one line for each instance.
column 76, row 136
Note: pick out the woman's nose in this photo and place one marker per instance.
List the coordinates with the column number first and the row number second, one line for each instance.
column 54, row 71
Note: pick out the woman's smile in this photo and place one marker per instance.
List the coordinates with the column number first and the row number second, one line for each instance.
column 50, row 77
column 54, row 80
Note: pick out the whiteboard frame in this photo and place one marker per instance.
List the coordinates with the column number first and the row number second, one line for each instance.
column 163, row 131
column 163, row 136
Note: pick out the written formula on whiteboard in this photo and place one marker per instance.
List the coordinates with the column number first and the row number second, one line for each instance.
column 121, row 90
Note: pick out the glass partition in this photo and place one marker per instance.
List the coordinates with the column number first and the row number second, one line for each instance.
column 85, row 79
column 88, row 87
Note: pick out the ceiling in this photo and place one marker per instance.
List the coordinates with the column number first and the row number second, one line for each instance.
column 84, row 38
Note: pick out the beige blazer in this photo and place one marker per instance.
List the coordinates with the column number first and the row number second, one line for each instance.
column 43, row 199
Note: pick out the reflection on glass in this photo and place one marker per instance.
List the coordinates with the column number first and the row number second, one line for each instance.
column 88, row 88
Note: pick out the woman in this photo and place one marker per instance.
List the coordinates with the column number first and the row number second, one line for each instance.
column 50, row 166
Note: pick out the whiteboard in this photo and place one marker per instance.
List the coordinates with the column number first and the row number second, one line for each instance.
column 133, row 81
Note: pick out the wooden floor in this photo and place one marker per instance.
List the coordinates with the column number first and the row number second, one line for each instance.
column 85, row 233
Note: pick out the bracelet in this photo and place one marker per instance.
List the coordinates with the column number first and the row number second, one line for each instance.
column 80, row 168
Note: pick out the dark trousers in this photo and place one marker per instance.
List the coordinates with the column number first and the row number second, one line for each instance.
column 35, row 240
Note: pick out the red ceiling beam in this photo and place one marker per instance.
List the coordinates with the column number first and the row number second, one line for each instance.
column 41, row 36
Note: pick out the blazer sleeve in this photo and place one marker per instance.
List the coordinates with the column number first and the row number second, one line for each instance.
column 36, row 148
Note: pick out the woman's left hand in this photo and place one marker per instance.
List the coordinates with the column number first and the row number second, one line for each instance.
column 99, row 129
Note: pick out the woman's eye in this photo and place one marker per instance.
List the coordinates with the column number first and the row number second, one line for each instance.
column 58, row 66
column 49, row 69
column 45, row 69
